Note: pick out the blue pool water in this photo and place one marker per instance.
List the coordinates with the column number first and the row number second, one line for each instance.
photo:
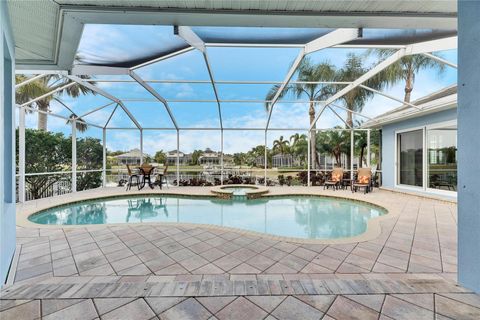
column 290, row 216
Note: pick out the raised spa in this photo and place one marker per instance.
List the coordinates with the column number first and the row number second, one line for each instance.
column 304, row 217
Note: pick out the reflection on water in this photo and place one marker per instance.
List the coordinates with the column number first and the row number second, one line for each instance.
column 294, row 216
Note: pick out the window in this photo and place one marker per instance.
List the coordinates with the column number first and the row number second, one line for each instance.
column 410, row 158
column 439, row 166
column 442, row 158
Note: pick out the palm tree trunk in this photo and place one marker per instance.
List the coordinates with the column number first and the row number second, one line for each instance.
column 42, row 116
column 349, row 119
column 408, row 87
column 313, row 148
column 361, row 157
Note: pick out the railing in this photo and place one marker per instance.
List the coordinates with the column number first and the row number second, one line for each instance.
column 59, row 183
column 40, row 185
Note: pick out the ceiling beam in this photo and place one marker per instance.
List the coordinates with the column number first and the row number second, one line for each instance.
column 389, row 96
column 83, row 69
column 154, row 93
column 187, row 34
column 441, row 60
column 106, row 95
column 330, row 39
column 369, row 74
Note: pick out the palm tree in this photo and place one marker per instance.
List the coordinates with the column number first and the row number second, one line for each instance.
column 299, row 145
column 355, row 99
column 307, row 73
column 47, row 84
column 281, row 145
column 405, row 69
column 334, row 143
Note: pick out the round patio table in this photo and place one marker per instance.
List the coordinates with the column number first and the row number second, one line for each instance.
column 146, row 174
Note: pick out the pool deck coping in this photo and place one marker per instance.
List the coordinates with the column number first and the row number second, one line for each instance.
column 372, row 232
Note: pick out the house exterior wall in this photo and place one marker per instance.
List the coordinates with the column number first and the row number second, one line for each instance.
column 7, row 144
column 389, row 136
column 468, row 144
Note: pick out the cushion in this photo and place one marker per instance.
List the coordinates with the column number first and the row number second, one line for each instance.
column 363, row 179
column 336, row 176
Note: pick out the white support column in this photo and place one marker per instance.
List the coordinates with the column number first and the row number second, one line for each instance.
column 21, row 154
column 368, row 149
column 221, row 158
column 104, row 158
column 141, row 146
column 352, row 152
column 74, row 155
column 266, row 160
column 178, row 158
column 309, row 133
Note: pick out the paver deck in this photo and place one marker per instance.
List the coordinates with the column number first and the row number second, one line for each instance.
column 185, row 271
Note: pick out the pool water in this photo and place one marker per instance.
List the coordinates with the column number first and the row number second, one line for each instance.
column 239, row 191
column 290, row 216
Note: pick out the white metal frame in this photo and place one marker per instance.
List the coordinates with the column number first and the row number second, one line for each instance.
column 335, row 38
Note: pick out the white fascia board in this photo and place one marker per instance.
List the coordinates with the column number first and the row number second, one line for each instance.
column 98, row 70
column 333, row 38
column 445, row 103
column 190, row 37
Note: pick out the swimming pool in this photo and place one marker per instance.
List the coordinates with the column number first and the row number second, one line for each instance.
column 304, row 217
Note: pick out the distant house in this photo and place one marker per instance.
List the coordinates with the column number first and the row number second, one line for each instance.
column 209, row 157
column 260, row 161
column 132, row 157
column 183, row 158
column 419, row 145
column 285, row 161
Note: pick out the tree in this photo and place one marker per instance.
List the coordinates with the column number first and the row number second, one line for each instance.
column 334, row 143
column 355, row 99
column 196, row 154
column 52, row 152
column 89, row 157
column 281, row 146
column 299, row 145
column 45, row 152
column 44, row 85
column 160, row 157
column 308, row 73
column 405, row 69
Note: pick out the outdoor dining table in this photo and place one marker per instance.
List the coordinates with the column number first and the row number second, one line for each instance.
column 146, row 176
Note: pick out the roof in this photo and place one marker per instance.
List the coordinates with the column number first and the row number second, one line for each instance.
column 47, row 32
column 134, row 153
column 443, row 99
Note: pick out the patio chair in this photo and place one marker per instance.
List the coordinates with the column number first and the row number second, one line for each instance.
column 162, row 178
column 131, row 177
column 364, row 180
column 335, row 180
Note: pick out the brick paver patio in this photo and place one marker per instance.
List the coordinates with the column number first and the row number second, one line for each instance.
column 147, row 271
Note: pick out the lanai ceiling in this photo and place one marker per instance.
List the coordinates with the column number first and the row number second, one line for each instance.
column 47, row 32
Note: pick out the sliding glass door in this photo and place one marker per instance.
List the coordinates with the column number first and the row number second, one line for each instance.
column 410, row 158
column 442, row 158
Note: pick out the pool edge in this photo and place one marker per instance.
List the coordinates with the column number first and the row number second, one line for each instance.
column 372, row 231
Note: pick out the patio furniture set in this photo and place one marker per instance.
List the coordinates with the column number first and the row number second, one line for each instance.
column 362, row 180
column 143, row 175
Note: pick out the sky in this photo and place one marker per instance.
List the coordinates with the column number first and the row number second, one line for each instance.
column 103, row 43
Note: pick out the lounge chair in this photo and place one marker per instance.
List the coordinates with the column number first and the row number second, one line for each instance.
column 335, row 180
column 364, row 180
column 131, row 177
